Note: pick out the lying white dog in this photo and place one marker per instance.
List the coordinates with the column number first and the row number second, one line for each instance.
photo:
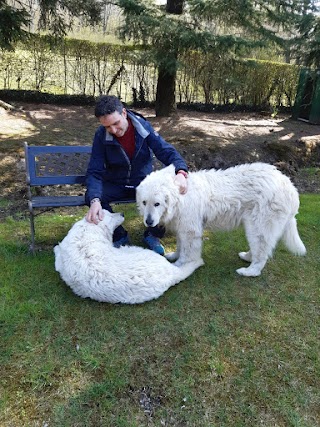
column 256, row 195
column 93, row 268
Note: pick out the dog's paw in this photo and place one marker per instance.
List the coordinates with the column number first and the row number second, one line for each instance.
column 199, row 263
column 248, row 272
column 195, row 263
column 171, row 256
column 246, row 256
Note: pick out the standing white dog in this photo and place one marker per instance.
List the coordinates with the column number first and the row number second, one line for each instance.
column 93, row 268
column 256, row 195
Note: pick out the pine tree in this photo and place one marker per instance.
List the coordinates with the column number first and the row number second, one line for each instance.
column 55, row 16
column 11, row 23
column 306, row 45
column 225, row 25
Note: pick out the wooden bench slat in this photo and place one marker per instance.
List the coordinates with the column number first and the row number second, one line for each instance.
column 57, row 201
column 60, row 201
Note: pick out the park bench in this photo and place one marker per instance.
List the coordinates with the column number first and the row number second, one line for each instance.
column 59, row 166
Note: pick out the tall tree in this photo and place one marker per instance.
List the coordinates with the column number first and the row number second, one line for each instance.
column 196, row 24
column 163, row 36
column 11, row 24
column 167, row 69
column 306, row 44
column 56, row 16
column 175, row 6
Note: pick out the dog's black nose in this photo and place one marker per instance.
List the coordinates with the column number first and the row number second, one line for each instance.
column 122, row 214
column 149, row 221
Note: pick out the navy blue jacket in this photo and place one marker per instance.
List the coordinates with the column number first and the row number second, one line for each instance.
column 109, row 161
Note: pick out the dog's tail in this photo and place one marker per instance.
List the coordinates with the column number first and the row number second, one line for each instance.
column 292, row 239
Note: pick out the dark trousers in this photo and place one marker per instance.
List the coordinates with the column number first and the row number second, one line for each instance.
column 111, row 193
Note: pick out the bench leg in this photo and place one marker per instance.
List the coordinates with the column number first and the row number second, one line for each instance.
column 32, row 245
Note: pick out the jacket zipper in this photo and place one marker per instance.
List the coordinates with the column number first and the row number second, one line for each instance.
column 129, row 164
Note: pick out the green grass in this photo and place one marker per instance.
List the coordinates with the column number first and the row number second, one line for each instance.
column 215, row 350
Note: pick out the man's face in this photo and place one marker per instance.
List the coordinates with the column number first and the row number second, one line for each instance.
column 115, row 123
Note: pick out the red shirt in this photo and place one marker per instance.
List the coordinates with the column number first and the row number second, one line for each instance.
column 127, row 141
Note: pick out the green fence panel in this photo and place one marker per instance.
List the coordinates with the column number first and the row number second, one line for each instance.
column 307, row 103
column 315, row 108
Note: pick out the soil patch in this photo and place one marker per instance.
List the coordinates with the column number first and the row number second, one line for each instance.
column 206, row 140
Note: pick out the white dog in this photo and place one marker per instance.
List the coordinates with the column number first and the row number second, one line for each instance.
column 93, row 268
column 256, row 195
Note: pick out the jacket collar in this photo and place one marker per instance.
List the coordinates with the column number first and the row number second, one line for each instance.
column 136, row 124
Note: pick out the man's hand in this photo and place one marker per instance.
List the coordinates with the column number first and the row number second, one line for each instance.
column 95, row 214
column 182, row 182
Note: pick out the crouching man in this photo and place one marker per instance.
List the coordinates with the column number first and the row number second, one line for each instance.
column 121, row 158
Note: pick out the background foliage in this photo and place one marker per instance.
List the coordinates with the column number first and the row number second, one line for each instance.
column 224, row 32
column 79, row 67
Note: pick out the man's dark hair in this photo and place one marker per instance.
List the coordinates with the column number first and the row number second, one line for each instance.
column 108, row 104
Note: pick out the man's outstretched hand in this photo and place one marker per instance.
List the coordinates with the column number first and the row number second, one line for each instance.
column 95, row 213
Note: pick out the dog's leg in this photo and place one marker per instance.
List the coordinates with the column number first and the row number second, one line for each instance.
column 253, row 270
column 173, row 256
column 261, row 246
column 262, row 241
column 190, row 247
column 185, row 270
column 246, row 256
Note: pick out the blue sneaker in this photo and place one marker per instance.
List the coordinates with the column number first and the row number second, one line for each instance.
column 121, row 242
column 154, row 244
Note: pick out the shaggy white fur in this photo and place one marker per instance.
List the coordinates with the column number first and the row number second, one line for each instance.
column 256, row 195
column 93, row 268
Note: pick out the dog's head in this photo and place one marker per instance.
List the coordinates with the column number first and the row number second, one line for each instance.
column 110, row 221
column 157, row 196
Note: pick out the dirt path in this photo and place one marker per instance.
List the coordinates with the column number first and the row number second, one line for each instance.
column 206, row 140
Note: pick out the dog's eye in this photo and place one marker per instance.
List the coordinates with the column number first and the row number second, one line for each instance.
column 157, row 204
column 144, row 203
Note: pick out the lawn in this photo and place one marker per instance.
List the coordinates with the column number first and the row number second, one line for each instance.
column 216, row 350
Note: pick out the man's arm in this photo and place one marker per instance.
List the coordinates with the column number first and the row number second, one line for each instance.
column 94, row 178
column 167, row 154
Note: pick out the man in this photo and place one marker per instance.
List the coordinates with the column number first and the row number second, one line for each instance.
column 121, row 158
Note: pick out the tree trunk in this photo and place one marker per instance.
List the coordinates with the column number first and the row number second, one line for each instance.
column 166, row 85
column 6, row 106
column 174, row 6
column 166, row 93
